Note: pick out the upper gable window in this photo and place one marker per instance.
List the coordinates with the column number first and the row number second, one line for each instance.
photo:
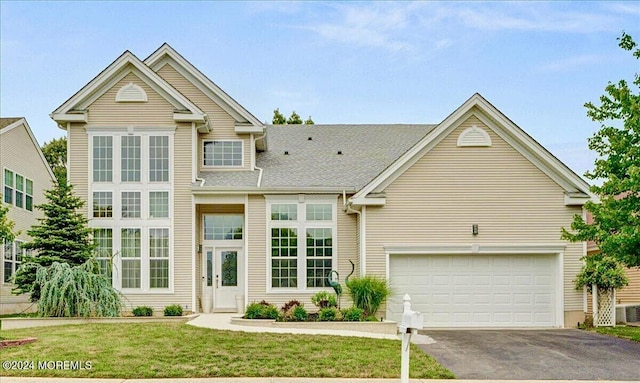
column 131, row 93
column 223, row 153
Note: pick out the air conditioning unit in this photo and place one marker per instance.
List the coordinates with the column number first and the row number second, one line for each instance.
column 628, row 313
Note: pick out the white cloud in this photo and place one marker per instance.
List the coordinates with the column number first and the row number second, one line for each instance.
column 571, row 63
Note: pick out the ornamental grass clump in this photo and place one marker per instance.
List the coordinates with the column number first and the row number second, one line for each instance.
column 76, row 291
column 369, row 293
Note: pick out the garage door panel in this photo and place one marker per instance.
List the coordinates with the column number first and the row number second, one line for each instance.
column 475, row 290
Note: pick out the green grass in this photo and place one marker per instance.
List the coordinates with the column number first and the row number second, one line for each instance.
column 177, row 350
column 632, row 333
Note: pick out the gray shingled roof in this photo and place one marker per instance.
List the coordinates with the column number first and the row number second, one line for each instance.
column 6, row 121
column 366, row 151
column 229, row 178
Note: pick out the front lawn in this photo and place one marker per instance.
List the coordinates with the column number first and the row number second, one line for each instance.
column 628, row 332
column 177, row 350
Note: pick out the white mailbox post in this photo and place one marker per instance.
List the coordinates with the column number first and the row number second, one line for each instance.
column 411, row 322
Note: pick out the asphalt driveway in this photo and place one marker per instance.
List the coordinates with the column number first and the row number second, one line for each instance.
column 534, row 354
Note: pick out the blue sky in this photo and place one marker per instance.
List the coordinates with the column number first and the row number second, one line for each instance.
column 355, row 62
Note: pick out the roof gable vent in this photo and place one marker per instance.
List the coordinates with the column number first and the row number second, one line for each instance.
column 474, row 136
column 131, row 93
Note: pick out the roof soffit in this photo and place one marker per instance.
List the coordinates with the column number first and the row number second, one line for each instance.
column 167, row 55
column 502, row 126
column 116, row 71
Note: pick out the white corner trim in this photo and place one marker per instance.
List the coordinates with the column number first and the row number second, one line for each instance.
column 131, row 93
column 474, row 137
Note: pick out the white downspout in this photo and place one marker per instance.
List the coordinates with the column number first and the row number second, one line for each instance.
column 255, row 167
column 362, row 249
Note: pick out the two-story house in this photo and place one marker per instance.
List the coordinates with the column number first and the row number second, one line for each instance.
column 25, row 176
column 201, row 204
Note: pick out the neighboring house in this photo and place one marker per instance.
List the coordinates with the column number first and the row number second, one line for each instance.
column 630, row 293
column 25, row 176
column 203, row 205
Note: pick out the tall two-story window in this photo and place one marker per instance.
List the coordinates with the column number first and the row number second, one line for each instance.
column 8, row 186
column 28, row 202
column 131, row 201
column 102, row 159
column 302, row 242
column 223, row 153
column 19, row 190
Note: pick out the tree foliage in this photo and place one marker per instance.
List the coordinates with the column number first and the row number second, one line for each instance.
column 603, row 271
column 55, row 151
column 61, row 236
column 616, row 226
column 76, row 291
column 294, row 119
column 6, row 225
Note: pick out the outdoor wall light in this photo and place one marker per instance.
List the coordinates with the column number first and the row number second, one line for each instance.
column 474, row 229
column 200, row 249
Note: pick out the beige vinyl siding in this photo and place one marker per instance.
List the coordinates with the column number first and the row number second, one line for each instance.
column 441, row 196
column 78, row 163
column 16, row 146
column 105, row 111
column 631, row 293
column 223, row 125
column 258, row 255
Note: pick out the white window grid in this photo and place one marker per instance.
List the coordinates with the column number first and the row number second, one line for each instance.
column 312, row 262
column 158, row 204
column 102, row 158
column 18, row 190
column 131, row 252
column 13, row 254
column 158, row 158
column 221, row 227
column 158, row 258
column 223, row 153
column 103, row 238
column 130, row 201
column 130, row 158
column 102, row 204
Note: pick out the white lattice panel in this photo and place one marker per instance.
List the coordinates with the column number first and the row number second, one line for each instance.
column 605, row 308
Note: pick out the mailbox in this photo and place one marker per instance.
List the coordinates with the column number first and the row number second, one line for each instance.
column 410, row 319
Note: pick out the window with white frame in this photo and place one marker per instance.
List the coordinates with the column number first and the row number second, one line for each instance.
column 8, row 186
column 18, row 190
column 302, row 246
column 103, row 239
column 158, row 258
column 222, row 153
column 13, row 255
column 130, row 159
column 131, row 253
column 136, row 201
column 221, row 227
column 102, row 204
column 158, row 158
column 102, row 158
column 130, row 202
column 158, row 204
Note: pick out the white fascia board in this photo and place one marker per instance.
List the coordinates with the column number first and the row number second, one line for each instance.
column 156, row 60
column 256, row 190
column 70, row 117
column 248, row 129
column 368, row 201
column 571, row 200
column 187, row 117
column 96, row 87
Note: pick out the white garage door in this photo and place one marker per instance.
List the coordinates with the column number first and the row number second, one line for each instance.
column 475, row 290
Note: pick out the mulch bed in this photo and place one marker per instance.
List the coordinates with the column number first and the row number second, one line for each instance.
column 16, row 342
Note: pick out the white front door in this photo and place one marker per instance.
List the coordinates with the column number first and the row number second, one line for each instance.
column 224, row 277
